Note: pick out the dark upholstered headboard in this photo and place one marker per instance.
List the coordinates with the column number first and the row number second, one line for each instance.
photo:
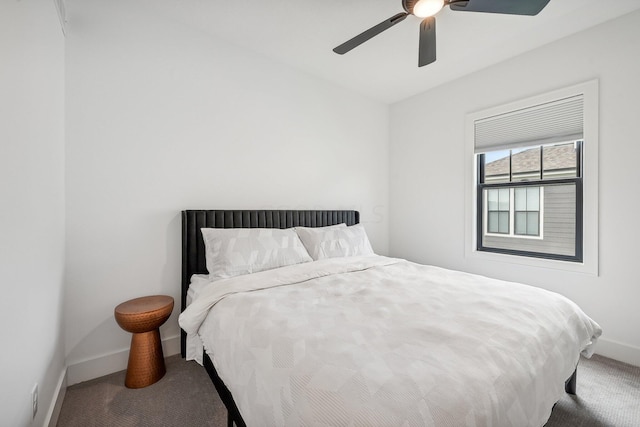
column 193, row 256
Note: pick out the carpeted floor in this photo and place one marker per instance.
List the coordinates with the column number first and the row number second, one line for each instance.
column 608, row 396
column 184, row 397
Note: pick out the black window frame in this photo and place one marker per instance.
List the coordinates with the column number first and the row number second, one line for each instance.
column 577, row 181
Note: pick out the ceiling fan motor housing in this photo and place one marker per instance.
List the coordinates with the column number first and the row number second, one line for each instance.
column 408, row 5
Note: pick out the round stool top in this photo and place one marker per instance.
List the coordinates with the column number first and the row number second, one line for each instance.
column 144, row 314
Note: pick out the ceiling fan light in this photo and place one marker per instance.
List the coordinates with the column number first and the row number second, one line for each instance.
column 425, row 8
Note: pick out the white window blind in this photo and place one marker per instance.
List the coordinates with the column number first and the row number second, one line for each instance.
column 556, row 121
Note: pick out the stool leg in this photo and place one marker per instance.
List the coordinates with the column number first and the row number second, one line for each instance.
column 146, row 361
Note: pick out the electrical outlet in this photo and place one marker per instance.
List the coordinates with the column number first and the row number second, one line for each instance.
column 34, row 399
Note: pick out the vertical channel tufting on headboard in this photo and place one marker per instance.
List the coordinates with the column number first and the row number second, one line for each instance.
column 193, row 251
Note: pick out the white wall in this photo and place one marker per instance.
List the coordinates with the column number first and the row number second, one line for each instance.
column 427, row 173
column 32, row 208
column 162, row 118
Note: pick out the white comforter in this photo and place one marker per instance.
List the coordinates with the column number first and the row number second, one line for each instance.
column 376, row 341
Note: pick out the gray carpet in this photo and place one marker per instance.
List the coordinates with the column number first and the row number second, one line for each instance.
column 608, row 396
column 184, row 397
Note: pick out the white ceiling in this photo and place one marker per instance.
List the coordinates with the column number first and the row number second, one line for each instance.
column 302, row 34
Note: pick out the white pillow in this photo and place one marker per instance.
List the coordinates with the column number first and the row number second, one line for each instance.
column 312, row 237
column 335, row 241
column 231, row 252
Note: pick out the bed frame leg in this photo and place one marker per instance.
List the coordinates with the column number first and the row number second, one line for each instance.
column 570, row 385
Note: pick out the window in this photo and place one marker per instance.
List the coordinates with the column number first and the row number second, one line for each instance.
column 527, row 211
column 532, row 181
column 513, row 212
column 518, row 219
column 498, row 212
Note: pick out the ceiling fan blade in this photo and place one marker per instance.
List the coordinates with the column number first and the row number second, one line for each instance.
column 427, row 49
column 371, row 32
column 512, row 7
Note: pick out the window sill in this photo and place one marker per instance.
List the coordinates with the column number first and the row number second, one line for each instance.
column 576, row 267
column 514, row 236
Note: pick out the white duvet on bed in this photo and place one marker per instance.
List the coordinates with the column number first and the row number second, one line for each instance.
column 194, row 347
column 376, row 341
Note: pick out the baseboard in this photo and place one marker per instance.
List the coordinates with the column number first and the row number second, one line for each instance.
column 106, row 364
column 117, row 361
column 51, row 419
column 618, row 351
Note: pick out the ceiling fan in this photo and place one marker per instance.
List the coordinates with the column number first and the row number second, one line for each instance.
column 426, row 9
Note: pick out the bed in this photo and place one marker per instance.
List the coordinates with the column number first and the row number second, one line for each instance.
column 370, row 340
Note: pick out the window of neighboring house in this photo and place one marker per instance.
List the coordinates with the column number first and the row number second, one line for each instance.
column 527, row 211
column 532, row 182
column 498, row 210
column 513, row 212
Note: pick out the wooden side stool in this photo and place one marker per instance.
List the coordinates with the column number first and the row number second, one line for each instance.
column 142, row 317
